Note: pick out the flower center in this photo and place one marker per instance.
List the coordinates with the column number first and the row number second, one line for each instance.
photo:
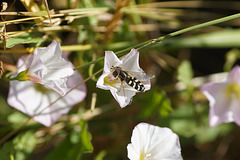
column 145, row 156
column 41, row 88
column 233, row 90
column 111, row 80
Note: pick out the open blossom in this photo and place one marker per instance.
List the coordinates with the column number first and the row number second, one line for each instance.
column 34, row 99
column 48, row 68
column 120, row 90
column 224, row 99
column 150, row 142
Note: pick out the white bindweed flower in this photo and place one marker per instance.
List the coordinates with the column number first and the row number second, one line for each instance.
column 33, row 99
column 122, row 90
column 48, row 68
column 224, row 99
column 150, row 142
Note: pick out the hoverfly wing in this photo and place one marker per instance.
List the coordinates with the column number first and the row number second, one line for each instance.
column 140, row 75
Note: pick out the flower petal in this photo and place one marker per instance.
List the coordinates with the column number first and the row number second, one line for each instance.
column 53, row 113
column 36, row 69
column 133, row 153
column 110, row 60
column 50, row 69
column 50, row 54
column 234, row 75
column 219, row 103
column 24, row 96
column 100, row 82
column 123, row 97
column 235, row 112
column 156, row 142
column 131, row 61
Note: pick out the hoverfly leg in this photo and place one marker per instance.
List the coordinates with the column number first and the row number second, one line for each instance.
column 122, row 87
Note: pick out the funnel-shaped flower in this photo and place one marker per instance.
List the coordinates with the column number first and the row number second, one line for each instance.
column 34, row 99
column 122, row 90
column 150, row 142
column 224, row 99
column 48, row 68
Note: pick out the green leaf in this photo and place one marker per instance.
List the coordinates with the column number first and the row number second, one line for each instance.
column 184, row 127
column 155, row 102
column 185, row 73
column 17, row 117
column 86, row 137
column 24, row 38
column 183, row 122
column 24, row 145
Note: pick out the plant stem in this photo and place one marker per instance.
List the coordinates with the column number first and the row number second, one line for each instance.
column 159, row 39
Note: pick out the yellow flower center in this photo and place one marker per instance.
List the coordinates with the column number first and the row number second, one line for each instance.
column 145, row 156
column 233, row 90
column 110, row 80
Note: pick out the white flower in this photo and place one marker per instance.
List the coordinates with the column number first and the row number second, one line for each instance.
column 224, row 99
column 121, row 91
column 33, row 98
column 150, row 142
column 48, row 68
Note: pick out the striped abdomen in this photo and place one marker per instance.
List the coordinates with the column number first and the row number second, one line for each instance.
column 135, row 83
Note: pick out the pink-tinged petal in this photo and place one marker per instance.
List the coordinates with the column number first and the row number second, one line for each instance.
column 154, row 143
column 234, row 75
column 219, row 102
column 216, row 93
column 78, row 94
column 25, row 97
column 131, row 61
column 224, row 99
column 53, row 113
column 235, row 110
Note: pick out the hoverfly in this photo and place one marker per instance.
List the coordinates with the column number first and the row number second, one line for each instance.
column 130, row 80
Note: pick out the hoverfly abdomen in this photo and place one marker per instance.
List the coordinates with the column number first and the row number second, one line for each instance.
column 135, row 83
column 123, row 76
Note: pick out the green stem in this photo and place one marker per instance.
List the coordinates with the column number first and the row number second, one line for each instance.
column 159, row 39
